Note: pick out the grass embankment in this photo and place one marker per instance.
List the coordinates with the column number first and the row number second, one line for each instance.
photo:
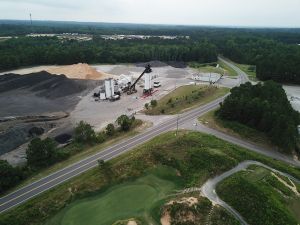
column 261, row 198
column 195, row 156
column 250, row 70
column 223, row 69
column 186, row 97
column 235, row 129
column 80, row 151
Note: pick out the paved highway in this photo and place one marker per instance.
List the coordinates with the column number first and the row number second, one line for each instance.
column 67, row 173
column 46, row 183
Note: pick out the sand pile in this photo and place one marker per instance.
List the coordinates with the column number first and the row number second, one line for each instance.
column 79, row 71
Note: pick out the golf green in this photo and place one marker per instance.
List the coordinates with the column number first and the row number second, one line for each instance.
column 129, row 200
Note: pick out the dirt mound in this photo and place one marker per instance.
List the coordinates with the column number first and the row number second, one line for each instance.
column 43, row 84
column 79, row 71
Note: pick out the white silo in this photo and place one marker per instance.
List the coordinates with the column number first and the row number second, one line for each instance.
column 148, row 83
column 108, row 89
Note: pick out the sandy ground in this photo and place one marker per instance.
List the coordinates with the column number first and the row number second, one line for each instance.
column 293, row 93
column 80, row 71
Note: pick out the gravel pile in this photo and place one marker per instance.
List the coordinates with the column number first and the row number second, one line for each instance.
column 43, row 84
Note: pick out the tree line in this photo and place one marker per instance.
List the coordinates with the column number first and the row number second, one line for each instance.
column 266, row 108
column 274, row 52
column 26, row 51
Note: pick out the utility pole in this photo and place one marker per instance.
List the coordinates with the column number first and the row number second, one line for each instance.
column 177, row 124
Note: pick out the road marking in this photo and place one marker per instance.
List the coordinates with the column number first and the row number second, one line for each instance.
column 173, row 123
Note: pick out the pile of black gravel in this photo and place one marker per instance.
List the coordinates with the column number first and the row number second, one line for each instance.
column 43, row 84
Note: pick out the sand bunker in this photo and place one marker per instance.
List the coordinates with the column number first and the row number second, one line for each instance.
column 79, row 71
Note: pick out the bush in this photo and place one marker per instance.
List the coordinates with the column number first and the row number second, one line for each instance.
column 147, row 106
column 42, row 153
column 153, row 103
column 84, row 133
column 110, row 129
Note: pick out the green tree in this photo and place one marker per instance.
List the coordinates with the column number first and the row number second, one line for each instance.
column 41, row 153
column 9, row 176
column 124, row 122
column 84, row 133
column 110, row 129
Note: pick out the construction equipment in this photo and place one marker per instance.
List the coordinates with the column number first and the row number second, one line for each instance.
column 131, row 88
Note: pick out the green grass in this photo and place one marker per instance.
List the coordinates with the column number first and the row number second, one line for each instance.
column 228, row 70
column 195, row 157
column 186, row 97
column 260, row 197
column 248, row 69
column 128, row 200
column 212, row 68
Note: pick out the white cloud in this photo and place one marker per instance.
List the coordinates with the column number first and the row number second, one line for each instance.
column 279, row 13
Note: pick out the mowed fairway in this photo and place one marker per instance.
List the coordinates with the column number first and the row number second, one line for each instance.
column 129, row 200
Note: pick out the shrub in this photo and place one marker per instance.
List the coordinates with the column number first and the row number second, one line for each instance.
column 153, row 103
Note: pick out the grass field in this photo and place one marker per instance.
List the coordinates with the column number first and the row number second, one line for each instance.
column 195, row 157
column 212, row 68
column 235, row 129
column 250, row 70
column 259, row 194
column 128, row 200
column 186, row 97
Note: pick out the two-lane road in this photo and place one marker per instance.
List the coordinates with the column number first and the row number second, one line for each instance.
column 67, row 173
column 184, row 120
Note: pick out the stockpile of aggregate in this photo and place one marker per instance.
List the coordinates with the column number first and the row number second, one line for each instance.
column 43, row 84
column 79, row 71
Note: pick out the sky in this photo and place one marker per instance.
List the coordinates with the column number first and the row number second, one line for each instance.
column 253, row 13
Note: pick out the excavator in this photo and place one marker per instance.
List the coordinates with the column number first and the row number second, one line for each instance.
column 131, row 87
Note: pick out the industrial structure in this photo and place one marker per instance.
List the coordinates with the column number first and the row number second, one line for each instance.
column 111, row 90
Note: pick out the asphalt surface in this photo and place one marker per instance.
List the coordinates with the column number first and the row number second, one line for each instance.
column 27, row 192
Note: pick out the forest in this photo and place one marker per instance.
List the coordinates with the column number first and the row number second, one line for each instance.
column 266, row 108
column 274, row 52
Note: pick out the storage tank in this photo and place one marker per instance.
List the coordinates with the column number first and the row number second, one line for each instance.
column 108, row 90
column 148, row 83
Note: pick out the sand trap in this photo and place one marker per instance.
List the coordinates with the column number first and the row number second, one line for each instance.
column 79, row 71
column 131, row 222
